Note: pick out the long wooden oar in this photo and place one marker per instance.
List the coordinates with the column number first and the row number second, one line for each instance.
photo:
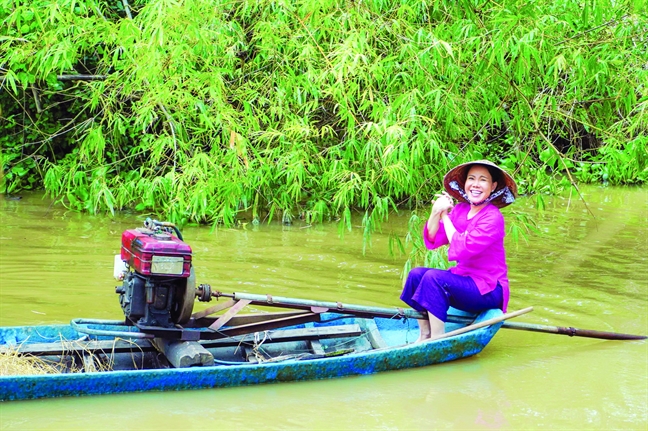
column 572, row 332
column 362, row 310
column 561, row 330
column 321, row 306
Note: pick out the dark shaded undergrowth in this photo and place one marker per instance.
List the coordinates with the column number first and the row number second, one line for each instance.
column 201, row 110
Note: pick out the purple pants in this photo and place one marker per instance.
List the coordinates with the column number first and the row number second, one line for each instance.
column 435, row 290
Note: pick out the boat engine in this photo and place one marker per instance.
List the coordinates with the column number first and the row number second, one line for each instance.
column 159, row 284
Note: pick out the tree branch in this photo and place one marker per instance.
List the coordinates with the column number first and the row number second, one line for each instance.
column 39, row 107
column 80, row 77
column 127, row 9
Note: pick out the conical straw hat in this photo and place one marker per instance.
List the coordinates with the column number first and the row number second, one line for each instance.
column 455, row 180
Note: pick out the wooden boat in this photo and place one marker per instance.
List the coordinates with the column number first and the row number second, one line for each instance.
column 336, row 344
column 162, row 345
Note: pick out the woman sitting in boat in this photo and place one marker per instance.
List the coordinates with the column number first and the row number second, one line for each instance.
column 474, row 228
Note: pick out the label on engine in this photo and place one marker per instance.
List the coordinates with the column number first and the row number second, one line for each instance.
column 167, row 265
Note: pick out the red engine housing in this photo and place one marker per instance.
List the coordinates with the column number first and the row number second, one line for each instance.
column 155, row 254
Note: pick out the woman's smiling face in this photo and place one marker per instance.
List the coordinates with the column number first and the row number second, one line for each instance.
column 479, row 184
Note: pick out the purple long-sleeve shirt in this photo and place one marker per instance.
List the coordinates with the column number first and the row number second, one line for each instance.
column 477, row 247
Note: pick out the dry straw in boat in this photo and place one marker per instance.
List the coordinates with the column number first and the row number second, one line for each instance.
column 78, row 359
column 13, row 363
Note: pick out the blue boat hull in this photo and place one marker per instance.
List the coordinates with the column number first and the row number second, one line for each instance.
column 396, row 355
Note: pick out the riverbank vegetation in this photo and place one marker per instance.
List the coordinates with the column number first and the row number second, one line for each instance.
column 205, row 111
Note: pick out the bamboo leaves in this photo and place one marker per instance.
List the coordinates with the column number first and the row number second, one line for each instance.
column 315, row 108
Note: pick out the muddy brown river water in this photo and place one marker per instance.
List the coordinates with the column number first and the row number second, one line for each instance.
column 582, row 271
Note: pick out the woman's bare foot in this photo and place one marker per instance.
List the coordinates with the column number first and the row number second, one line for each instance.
column 430, row 328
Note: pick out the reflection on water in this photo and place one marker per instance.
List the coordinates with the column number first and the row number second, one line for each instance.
column 582, row 271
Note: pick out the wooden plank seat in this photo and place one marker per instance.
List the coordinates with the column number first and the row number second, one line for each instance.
column 288, row 335
column 121, row 346
column 63, row 347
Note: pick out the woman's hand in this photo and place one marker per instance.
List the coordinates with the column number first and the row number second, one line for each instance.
column 440, row 207
column 443, row 203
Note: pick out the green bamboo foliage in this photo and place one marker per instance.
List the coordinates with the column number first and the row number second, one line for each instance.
column 204, row 110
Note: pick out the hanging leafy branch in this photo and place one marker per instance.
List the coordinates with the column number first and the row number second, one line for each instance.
column 202, row 110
